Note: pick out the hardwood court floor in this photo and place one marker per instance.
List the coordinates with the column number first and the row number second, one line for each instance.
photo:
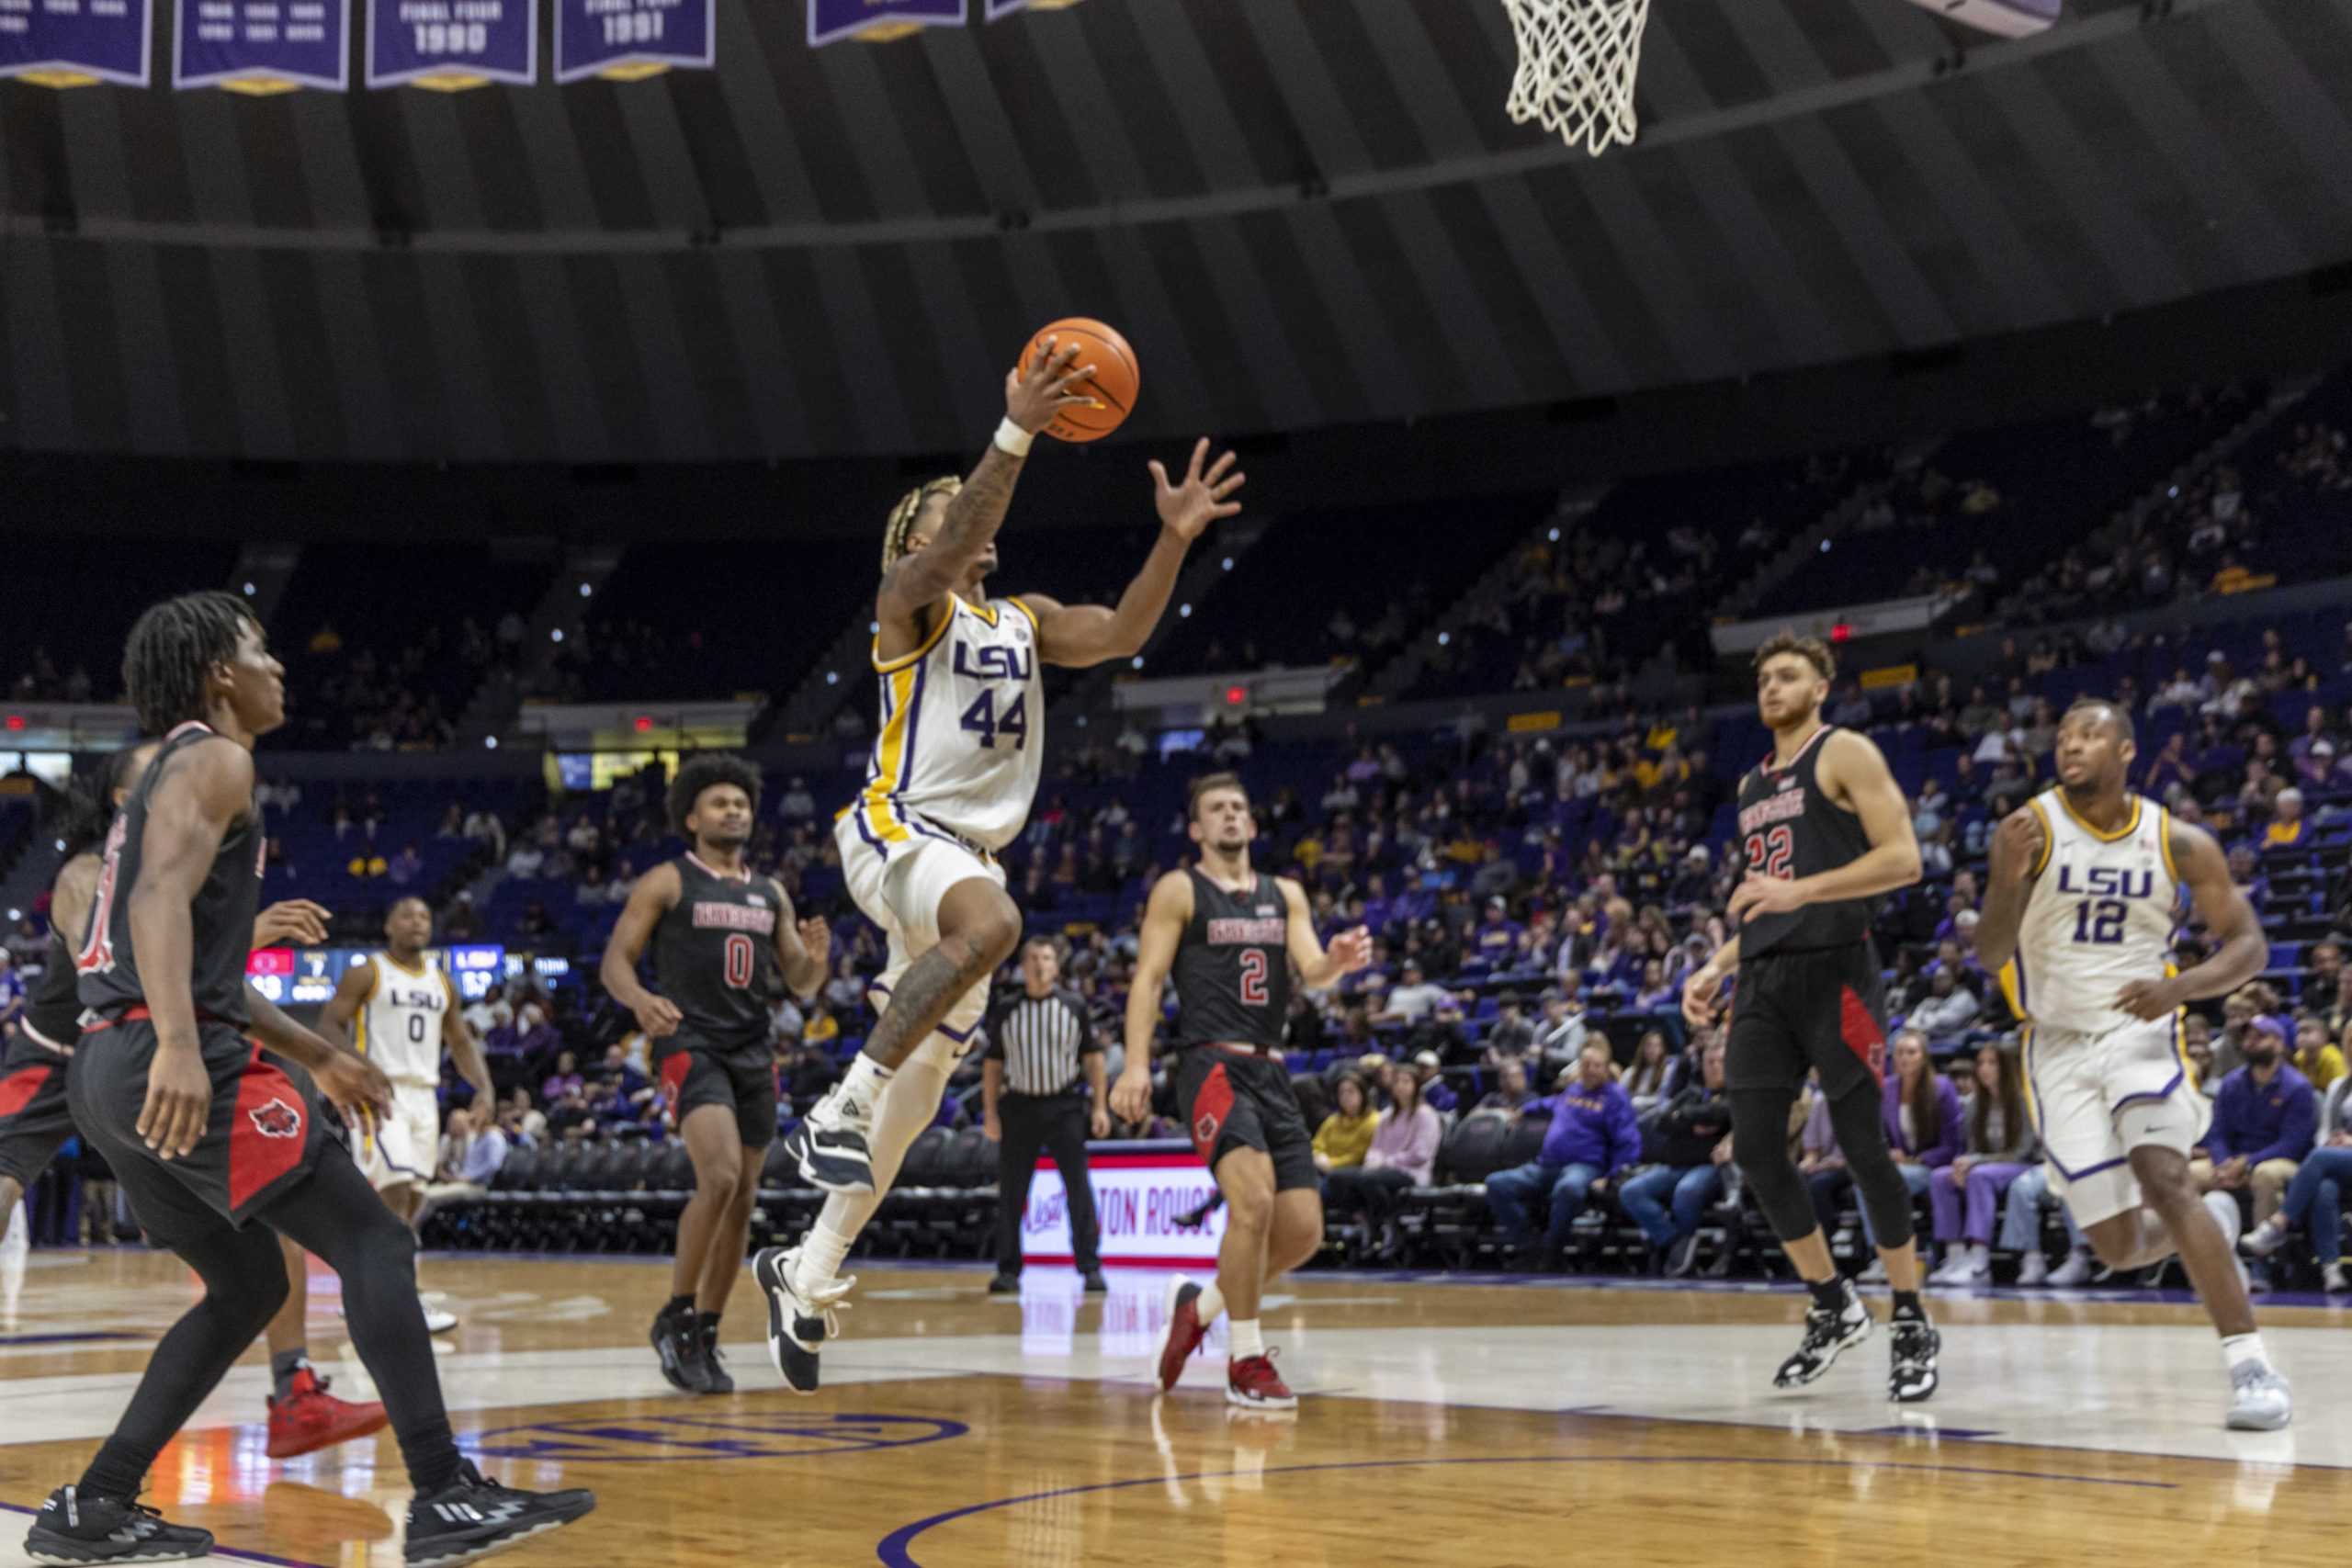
column 1444, row 1425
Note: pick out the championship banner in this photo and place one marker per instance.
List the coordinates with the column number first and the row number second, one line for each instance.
column 878, row 21
column 1137, row 1198
column 74, row 43
column 263, row 46
column 627, row 40
column 450, row 45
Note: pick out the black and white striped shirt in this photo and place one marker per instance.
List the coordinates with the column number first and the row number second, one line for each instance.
column 1040, row 1040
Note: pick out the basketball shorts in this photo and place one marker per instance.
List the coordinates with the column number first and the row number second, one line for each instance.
column 34, row 1118
column 267, row 1130
column 2095, row 1098
column 899, row 886
column 404, row 1149
column 741, row 1078
column 1234, row 1100
column 1817, row 1009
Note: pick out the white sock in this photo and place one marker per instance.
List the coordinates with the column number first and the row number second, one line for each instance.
column 821, row 1251
column 1209, row 1303
column 2237, row 1349
column 866, row 1081
column 1247, row 1340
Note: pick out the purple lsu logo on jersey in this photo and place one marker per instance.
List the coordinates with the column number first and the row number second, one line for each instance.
column 993, row 661
column 2106, row 881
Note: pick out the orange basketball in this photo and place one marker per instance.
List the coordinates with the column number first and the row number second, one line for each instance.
column 1117, row 377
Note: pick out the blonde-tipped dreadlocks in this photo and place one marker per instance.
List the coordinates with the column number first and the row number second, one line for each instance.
column 902, row 517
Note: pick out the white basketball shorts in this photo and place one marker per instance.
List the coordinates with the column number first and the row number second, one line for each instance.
column 405, row 1145
column 2097, row 1097
column 899, row 885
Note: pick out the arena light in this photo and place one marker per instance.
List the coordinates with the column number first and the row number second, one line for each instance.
column 490, row 742
column 1229, row 563
column 1555, row 536
column 1236, row 695
column 555, row 635
column 1841, row 632
column 15, row 721
column 644, row 723
column 249, row 590
column 586, row 590
column 1138, row 662
column 832, row 677
column 1184, row 611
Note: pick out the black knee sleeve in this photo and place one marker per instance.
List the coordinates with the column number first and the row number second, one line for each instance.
column 1858, row 1117
column 1759, row 1146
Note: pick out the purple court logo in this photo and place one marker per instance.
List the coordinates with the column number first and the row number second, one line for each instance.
column 277, row 1120
column 688, row 1440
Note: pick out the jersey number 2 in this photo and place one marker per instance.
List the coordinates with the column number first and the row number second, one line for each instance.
column 983, row 720
column 1253, row 978
column 739, row 960
column 1768, row 854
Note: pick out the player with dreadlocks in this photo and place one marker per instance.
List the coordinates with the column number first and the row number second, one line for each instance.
column 724, row 945
column 955, row 769
column 209, row 1133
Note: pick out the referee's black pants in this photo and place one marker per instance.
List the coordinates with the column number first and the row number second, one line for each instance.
column 1056, row 1122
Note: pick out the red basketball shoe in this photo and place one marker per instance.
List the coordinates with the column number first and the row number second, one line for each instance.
column 1255, row 1385
column 1185, row 1331
column 309, row 1418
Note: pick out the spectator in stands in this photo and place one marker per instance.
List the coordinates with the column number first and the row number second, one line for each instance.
column 1414, row 1000
column 2028, row 1195
column 1689, row 1140
column 564, row 1080
column 796, row 804
column 1499, row 937
column 1435, row 1092
column 1925, row 1131
column 1593, row 1138
column 406, row 867
column 28, row 944
column 2288, row 827
column 2239, row 1010
column 2001, row 1148
column 2316, row 1057
column 1560, row 1037
column 1644, row 1079
column 2324, row 987
column 12, row 992
column 1346, row 1133
column 1402, row 1156
column 526, row 860
column 822, row 1028
column 1948, row 1011
column 1510, row 1093
column 2264, row 1121
column 2314, row 1200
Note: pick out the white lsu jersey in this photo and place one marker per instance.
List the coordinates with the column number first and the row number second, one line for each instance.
column 962, row 733
column 398, row 1027
column 2102, row 913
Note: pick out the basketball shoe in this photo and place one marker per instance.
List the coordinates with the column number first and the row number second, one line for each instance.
column 1828, row 1332
column 1185, row 1330
column 73, row 1527
column 309, row 1418
column 832, row 1146
column 473, row 1517
column 1255, row 1385
column 798, row 1321
column 716, row 1378
column 674, row 1341
column 2259, row 1399
column 1912, row 1376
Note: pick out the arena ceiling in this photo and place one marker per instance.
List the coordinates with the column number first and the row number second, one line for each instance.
column 1304, row 212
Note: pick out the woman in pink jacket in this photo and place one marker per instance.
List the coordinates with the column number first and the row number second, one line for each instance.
column 1403, row 1155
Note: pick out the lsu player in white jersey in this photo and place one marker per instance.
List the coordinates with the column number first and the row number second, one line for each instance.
column 2080, row 920
column 955, row 770
column 399, row 1011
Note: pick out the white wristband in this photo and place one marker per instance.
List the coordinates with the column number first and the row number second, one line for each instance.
column 1011, row 440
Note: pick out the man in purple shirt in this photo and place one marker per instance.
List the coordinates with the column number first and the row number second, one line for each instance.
column 1592, row 1140
column 2265, row 1118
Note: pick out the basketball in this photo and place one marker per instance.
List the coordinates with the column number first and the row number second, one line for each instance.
column 1116, row 380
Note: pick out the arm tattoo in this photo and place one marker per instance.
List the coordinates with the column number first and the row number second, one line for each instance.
column 974, row 515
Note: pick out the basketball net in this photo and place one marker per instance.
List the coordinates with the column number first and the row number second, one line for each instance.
column 1578, row 59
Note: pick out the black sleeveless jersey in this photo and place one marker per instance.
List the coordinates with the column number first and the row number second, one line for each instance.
column 1788, row 828
column 1232, row 968
column 53, row 1007
column 714, row 953
column 222, row 911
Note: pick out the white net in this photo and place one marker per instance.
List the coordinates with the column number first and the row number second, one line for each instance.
column 1578, row 59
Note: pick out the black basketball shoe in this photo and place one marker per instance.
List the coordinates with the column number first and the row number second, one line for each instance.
column 473, row 1517
column 674, row 1341
column 833, row 1144
column 1828, row 1332
column 75, row 1528
column 715, row 1376
column 1912, row 1377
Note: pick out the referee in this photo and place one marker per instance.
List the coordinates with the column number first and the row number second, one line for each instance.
column 1040, row 1049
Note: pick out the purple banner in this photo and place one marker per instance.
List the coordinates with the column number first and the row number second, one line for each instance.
column 449, row 45
column 877, row 21
column 263, row 46
column 626, row 40
column 72, row 43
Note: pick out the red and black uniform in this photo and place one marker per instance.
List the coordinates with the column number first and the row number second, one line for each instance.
column 1810, row 994
column 713, row 958
column 35, row 1120
column 1232, row 975
column 267, row 1127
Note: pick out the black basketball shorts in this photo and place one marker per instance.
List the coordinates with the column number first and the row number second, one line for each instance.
column 34, row 1118
column 741, row 1078
column 268, row 1129
column 1232, row 1100
column 1818, row 1008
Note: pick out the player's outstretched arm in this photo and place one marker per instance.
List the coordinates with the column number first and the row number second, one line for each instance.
column 1032, row 397
column 1350, row 951
column 2020, row 844
column 1080, row 635
column 1165, row 915
column 2245, row 950
column 803, row 948
column 350, row 995
column 1853, row 771
column 655, row 895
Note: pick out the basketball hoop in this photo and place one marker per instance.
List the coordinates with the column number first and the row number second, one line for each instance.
column 1576, row 63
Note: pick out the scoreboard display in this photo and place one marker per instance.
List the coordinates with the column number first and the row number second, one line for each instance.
column 307, row 977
